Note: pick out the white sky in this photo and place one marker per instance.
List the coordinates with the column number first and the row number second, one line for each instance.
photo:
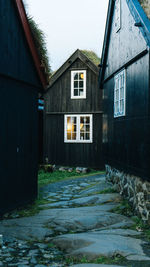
column 69, row 25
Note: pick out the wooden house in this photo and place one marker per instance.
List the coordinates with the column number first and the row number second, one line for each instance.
column 125, row 80
column 21, row 78
column 73, row 116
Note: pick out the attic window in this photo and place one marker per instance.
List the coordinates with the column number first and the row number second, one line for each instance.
column 117, row 15
column 78, row 84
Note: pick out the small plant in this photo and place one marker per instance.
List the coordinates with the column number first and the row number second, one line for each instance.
column 141, row 226
column 124, row 208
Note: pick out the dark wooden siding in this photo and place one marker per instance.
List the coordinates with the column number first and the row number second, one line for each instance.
column 69, row 154
column 124, row 45
column 19, row 85
column 128, row 146
column 18, row 142
column 58, row 102
column 58, row 97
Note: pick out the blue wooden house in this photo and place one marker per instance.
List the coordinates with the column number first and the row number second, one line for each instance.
column 125, row 81
column 21, row 79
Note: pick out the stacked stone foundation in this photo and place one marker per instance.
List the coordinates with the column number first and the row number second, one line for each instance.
column 134, row 189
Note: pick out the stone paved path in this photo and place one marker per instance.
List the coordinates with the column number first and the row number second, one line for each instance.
column 76, row 223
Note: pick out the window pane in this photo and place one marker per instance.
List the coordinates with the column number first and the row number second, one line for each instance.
column 73, row 136
column 87, row 128
column 117, row 94
column 82, row 127
column 80, row 92
column 76, row 92
column 81, row 84
column 74, row 120
column 81, row 136
column 87, row 120
column 68, row 135
column 87, row 136
column 81, row 76
column 75, row 84
column 122, row 92
column 81, row 119
column 76, row 76
column 68, row 120
column 75, row 128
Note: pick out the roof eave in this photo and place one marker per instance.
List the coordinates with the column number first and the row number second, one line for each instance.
column 106, row 39
column 140, row 16
column 69, row 62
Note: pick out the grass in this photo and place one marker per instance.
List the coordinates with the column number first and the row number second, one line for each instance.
column 45, row 178
column 107, row 191
column 124, row 208
column 118, row 259
column 141, row 226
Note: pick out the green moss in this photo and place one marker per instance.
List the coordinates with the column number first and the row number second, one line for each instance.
column 118, row 259
column 92, row 56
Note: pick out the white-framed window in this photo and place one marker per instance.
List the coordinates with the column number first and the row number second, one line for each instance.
column 78, row 128
column 78, row 84
column 120, row 94
column 117, row 15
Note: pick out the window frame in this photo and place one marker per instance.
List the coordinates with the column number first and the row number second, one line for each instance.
column 117, row 79
column 78, row 140
column 118, row 15
column 72, row 84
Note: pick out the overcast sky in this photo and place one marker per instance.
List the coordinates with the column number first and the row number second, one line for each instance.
column 69, row 25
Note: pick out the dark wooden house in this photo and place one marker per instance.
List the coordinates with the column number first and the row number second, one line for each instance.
column 21, row 78
column 73, row 116
column 125, row 80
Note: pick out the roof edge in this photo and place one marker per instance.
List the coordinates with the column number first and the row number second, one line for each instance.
column 77, row 54
column 105, row 46
column 29, row 38
column 140, row 16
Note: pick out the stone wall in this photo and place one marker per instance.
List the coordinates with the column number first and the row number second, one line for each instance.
column 134, row 189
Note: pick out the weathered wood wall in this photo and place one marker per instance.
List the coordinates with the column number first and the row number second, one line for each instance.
column 128, row 144
column 58, row 102
column 19, row 85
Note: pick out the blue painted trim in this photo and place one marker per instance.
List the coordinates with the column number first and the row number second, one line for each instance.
column 140, row 16
column 40, row 108
column 40, row 101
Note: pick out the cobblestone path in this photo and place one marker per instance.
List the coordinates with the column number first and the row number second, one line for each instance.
column 76, row 227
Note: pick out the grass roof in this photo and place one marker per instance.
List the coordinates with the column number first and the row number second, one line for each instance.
column 40, row 43
column 146, row 6
column 92, row 56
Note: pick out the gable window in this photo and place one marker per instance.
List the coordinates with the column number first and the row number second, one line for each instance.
column 78, row 129
column 119, row 94
column 117, row 15
column 78, row 84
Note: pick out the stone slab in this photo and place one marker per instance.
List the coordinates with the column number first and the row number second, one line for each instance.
column 69, row 219
column 96, row 199
column 93, row 245
column 95, row 265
